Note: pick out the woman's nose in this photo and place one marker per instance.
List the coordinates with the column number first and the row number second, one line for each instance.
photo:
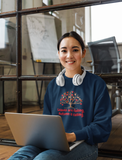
column 69, row 54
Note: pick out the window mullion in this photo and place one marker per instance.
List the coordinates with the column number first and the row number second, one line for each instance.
column 18, row 56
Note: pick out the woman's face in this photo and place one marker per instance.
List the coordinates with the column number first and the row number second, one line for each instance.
column 71, row 54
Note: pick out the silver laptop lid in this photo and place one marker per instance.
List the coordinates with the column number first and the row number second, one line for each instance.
column 43, row 131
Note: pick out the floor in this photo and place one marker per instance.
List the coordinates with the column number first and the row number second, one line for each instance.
column 7, row 151
column 114, row 142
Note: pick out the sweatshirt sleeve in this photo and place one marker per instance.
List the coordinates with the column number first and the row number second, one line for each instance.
column 99, row 129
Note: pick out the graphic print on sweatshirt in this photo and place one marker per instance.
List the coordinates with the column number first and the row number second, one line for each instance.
column 69, row 102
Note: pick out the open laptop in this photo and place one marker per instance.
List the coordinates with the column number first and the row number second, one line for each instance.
column 43, row 131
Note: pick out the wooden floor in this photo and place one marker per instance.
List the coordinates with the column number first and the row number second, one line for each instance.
column 114, row 142
column 7, row 151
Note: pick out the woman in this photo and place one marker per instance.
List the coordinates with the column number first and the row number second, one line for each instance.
column 83, row 102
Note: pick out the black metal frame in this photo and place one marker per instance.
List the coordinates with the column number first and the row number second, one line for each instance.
column 19, row 78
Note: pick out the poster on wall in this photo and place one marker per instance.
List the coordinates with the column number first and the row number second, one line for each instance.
column 43, row 38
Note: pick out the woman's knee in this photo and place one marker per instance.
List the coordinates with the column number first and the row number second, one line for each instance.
column 50, row 155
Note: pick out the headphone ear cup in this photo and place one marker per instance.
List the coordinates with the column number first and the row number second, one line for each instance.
column 74, row 80
column 77, row 79
column 60, row 80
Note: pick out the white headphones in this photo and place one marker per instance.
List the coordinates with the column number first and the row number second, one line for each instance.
column 77, row 79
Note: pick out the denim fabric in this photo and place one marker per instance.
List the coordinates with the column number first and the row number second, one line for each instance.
column 81, row 152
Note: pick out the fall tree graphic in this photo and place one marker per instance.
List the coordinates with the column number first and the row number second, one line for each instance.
column 70, row 98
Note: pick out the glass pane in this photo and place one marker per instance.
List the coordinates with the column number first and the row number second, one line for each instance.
column 31, row 4
column 8, row 46
column 33, row 96
column 54, row 2
column 109, row 29
column 10, row 96
column 39, row 3
column 8, row 103
column 7, row 6
column 38, row 49
column 61, row 1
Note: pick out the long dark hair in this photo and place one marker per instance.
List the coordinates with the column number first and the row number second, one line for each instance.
column 74, row 35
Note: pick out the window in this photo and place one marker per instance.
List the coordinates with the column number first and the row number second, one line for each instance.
column 106, row 21
column 45, row 2
column 78, row 27
column 2, row 33
column 0, row 6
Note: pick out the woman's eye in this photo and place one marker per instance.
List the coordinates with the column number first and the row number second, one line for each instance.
column 64, row 51
column 75, row 50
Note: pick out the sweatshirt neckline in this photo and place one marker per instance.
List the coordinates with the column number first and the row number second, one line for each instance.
column 69, row 77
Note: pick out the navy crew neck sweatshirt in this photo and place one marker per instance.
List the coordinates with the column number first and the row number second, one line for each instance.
column 85, row 109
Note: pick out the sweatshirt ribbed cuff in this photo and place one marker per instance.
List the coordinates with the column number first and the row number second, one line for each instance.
column 81, row 135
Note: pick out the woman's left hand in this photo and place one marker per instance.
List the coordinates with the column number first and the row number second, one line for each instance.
column 71, row 137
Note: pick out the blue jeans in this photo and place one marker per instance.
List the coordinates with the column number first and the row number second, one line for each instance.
column 83, row 151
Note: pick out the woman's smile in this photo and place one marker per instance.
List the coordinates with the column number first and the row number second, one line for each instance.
column 70, row 62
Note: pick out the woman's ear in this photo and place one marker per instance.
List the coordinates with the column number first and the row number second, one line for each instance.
column 83, row 53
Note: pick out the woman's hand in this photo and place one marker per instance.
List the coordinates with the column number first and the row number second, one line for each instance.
column 71, row 137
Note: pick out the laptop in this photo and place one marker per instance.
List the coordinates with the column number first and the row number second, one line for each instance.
column 43, row 131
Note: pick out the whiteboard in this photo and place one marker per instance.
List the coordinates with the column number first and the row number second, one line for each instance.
column 43, row 38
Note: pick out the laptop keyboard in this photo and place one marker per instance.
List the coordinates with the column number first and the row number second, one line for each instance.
column 71, row 143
